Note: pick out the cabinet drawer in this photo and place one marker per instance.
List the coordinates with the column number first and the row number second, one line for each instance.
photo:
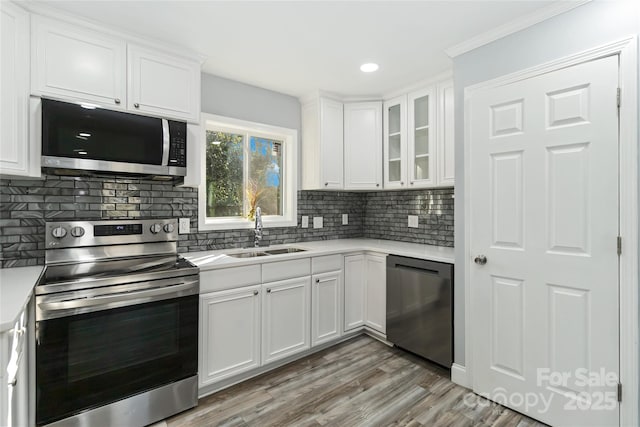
column 274, row 271
column 227, row 278
column 323, row 264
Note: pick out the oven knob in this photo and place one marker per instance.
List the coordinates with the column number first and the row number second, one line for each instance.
column 77, row 231
column 58, row 232
column 168, row 228
column 156, row 228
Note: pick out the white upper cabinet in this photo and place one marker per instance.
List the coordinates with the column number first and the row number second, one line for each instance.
column 71, row 62
column 80, row 64
column 163, row 84
column 418, row 139
column 322, row 144
column 363, row 146
column 395, row 142
column 18, row 157
column 445, row 131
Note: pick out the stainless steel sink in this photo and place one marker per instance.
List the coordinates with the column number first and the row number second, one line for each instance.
column 247, row 254
column 284, row 251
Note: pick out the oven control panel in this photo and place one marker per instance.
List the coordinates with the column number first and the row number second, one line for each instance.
column 109, row 232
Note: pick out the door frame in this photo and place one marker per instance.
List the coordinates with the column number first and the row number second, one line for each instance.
column 627, row 49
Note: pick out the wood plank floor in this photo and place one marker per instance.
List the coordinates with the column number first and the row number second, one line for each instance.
column 361, row 382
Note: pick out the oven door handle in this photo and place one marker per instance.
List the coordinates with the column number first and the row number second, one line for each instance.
column 121, row 299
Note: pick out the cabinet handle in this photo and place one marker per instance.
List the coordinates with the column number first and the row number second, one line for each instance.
column 255, row 292
column 401, row 182
column 269, row 290
column 136, row 105
column 317, row 280
column 13, row 382
column 377, row 185
column 117, row 100
column 326, row 183
column 411, row 183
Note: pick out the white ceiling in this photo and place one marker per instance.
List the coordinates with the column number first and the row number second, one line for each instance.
column 302, row 46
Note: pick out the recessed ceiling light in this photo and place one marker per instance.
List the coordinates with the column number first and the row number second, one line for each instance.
column 85, row 134
column 369, row 67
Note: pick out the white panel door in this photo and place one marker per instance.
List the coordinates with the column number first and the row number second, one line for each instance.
column 544, row 194
column 229, row 333
column 70, row 62
column 162, row 84
column 354, row 291
column 376, row 296
column 363, row 146
column 286, row 315
column 326, row 307
column 331, row 144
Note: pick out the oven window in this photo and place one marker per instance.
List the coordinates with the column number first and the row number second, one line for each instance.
column 70, row 130
column 89, row 360
column 127, row 344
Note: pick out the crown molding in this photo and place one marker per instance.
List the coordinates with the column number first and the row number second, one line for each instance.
column 514, row 26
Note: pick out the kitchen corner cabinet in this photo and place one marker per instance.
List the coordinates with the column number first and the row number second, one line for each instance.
column 286, row 312
column 376, row 293
column 80, row 64
column 365, row 292
column 322, row 144
column 18, row 153
column 363, row 145
column 229, row 333
column 418, row 139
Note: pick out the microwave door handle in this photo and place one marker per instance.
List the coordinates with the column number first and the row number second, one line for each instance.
column 165, row 142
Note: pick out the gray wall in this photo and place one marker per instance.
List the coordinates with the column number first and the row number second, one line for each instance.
column 242, row 101
column 583, row 28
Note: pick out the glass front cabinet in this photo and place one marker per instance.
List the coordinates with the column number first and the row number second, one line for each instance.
column 411, row 150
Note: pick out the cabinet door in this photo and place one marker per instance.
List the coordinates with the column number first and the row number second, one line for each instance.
column 363, row 146
column 70, row 62
column 229, row 333
column 421, row 149
column 331, row 144
column 326, row 307
column 15, row 149
column 376, row 299
column 354, row 291
column 395, row 143
column 445, row 131
column 162, row 84
column 286, row 318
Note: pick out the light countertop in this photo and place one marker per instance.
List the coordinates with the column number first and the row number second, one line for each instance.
column 210, row 260
column 16, row 286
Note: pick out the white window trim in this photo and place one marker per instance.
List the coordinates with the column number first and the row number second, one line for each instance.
column 290, row 174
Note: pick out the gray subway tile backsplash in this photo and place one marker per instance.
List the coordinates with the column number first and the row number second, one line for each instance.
column 25, row 206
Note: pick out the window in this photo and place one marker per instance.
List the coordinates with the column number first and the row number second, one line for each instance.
column 247, row 165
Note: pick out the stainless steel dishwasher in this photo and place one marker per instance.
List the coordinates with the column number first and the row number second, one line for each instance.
column 420, row 307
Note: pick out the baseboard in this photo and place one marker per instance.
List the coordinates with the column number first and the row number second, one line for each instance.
column 459, row 375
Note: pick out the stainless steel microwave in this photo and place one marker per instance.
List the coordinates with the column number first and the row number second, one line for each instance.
column 85, row 139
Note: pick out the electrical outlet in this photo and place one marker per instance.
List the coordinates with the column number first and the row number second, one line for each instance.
column 413, row 221
column 345, row 219
column 305, row 221
column 184, row 226
column 317, row 222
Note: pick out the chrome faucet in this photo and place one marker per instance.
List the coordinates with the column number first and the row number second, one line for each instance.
column 258, row 227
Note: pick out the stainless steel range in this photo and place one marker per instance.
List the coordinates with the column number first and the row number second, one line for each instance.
column 116, row 324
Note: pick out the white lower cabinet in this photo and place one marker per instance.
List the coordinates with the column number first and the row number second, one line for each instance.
column 354, row 291
column 286, row 314
column 365, row 292
column 326, row 310
column 229, row 333
column 376, row 299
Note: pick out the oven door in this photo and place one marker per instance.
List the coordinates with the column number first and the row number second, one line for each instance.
column 96, row 354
